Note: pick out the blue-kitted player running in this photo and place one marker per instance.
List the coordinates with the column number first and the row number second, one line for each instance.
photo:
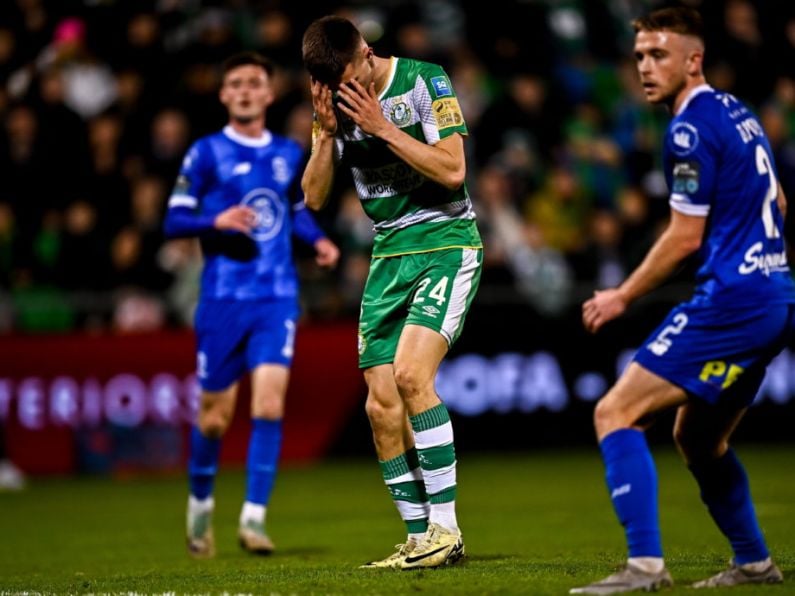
column 239, row 192
column 708, row 357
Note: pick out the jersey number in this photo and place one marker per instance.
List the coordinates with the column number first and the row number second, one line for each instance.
column 765, row 168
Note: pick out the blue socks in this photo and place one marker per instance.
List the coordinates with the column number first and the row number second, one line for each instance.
column 202, row 463
column 632, row 482
column 263, row 456
column 727, row 495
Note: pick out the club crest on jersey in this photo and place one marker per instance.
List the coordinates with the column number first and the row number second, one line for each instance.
column 270, row 212
column 400, row 114
column 441, row 86
column 685, row 138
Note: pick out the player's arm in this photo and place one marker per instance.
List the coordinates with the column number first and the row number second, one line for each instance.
column 184, row 218
column 681, row 238
column 318, row 176
column 186, row 222
column 443, row 162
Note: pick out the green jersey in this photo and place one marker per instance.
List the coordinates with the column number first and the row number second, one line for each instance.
column 411, row 213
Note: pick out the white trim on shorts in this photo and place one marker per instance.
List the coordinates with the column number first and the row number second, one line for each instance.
column 462, row 286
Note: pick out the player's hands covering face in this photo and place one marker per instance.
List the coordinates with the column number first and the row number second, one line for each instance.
column 362, row 106
column 324, row 108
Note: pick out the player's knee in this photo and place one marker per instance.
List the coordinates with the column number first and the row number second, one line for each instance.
column 407, row 381
column 379, row 411
column 269, row 407
column 213, row 423
column 606, row 417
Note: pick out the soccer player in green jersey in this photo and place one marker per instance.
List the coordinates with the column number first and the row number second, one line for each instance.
column 397, row 125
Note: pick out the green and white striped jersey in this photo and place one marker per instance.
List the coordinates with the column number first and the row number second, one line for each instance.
column 411, row 213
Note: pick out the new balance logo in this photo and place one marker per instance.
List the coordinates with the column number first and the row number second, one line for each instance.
column 241, row 169
column 624, row 489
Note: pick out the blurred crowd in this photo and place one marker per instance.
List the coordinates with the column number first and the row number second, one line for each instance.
column 99, row 100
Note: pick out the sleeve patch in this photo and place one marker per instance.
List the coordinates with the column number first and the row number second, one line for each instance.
column 684, row 137
column 441, row 86
column 182, row 185
column 686, row 177
column 447, row 113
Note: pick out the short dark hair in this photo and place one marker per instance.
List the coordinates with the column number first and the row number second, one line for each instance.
column 678, row 19
column 329, row 45
column 246, row 58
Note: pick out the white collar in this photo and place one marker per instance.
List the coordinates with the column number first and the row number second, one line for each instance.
column 262, row 141
column 693, row 92
column 392, row 70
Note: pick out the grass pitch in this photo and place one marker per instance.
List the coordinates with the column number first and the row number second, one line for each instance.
column 536, row 523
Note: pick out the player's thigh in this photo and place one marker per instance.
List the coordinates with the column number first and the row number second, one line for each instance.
column 707, row 352
column 419, row 353
column 446, row 283
column 637, row 396
column 383, row 312
column 272, row 328
column 268, row 390
column 221, row 342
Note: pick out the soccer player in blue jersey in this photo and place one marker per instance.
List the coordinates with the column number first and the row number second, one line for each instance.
column 239, row 192
column 708, row 357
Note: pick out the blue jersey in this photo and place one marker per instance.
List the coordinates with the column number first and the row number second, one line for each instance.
column 718, row 165
column 227, row 169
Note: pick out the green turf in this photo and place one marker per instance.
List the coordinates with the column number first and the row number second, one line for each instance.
column 535, row 523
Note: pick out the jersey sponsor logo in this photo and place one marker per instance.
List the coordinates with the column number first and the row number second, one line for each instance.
column 441, row 86
column 387, row 181
column 686, row 177
column 685, row 138
column 270, row 212
column 447, row 113
column 766, row 263
column 400, row 114
column 241, row 169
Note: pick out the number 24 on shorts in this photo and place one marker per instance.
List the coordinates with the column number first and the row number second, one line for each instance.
column 437, row 292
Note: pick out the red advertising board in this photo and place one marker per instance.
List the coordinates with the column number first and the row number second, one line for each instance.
column 67, row 399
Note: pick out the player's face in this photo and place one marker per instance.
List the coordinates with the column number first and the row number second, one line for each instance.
column 664, row 60
column 361, row 68
column 246, row 92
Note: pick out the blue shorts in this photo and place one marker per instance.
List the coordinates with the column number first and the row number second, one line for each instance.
column 718, row 354
column 235, row 336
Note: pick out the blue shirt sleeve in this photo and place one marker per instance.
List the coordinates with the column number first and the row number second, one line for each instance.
column 691, row 162
column 183, row 217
